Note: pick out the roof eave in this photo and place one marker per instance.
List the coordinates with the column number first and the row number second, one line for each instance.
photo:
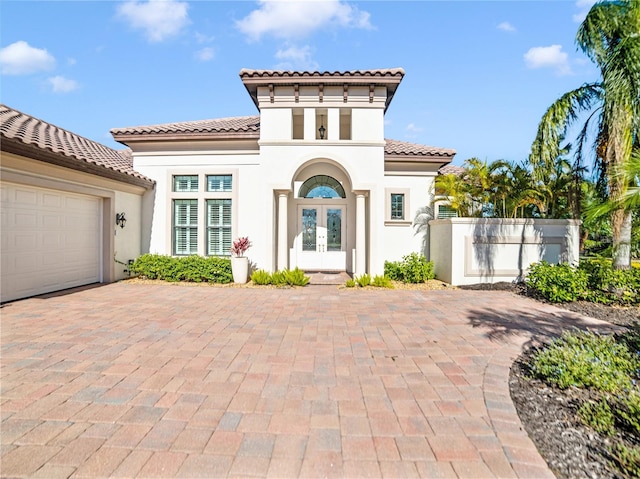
column 126, row 138
column 17, row 147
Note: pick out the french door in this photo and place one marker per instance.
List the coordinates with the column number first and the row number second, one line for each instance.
column 321, row 239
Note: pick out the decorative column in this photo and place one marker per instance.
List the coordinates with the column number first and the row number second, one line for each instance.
column 361, row 234
column 283, row 253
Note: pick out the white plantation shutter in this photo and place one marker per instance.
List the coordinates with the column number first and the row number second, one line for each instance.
column 185, row 227
column 218, row 227
column 219, row 183
column 182, row 183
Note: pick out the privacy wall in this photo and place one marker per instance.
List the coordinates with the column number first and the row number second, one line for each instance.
column 490, row 250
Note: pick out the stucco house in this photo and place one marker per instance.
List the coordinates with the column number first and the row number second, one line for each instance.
column 311, row 179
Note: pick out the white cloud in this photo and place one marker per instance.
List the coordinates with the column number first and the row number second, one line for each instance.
column 412, row 128
column 20, row 58
column 159, row 19
column 205, row 54
column 296, row 19
column 71, row 61
column 548, row 57
column 583, row 8
column 60, row 84
column 296, row 58
column 506, row 27
column 202, row 38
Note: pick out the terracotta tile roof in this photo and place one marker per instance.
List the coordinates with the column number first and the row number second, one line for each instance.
column 247, row 126
column 451, row 170
column 17, row 128
column 403, row 148
column 388, row 72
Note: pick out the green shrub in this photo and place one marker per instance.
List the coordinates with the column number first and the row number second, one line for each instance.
column 627, row 458
column 381, row 282
column 279, row 278
column 593, row 280
column 364, row 280
column 557, row 283
column 414, row 268
column 586, row 359
column 606, row 285
column 186, row 268
column 296, row 277
column 261, row 277
column 351, row 283
column 598, row 415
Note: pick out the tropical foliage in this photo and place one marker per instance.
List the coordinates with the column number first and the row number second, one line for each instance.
column 609, row 37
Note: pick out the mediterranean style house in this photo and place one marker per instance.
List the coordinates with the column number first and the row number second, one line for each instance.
column 310, row 179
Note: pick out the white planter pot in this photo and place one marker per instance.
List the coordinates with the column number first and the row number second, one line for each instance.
column 240, row 269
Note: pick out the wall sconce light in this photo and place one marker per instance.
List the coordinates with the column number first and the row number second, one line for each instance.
column 120, row 219
column 322, row 129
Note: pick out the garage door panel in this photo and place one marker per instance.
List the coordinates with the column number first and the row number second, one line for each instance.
column 50, row 240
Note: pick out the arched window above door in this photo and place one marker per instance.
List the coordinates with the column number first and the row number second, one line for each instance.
column 321, row 186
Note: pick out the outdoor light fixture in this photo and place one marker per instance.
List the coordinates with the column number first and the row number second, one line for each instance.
column 322, row 129
column 120, row 219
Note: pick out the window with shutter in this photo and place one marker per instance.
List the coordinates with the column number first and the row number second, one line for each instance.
column 185, row 227
column 185, row 183
column 219, row 183
column 218, row 227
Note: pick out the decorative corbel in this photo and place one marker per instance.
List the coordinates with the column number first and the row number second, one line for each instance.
column 345, row 92
column 372, row 89
column 320, row 92
column 271, row 93
column 296, row 92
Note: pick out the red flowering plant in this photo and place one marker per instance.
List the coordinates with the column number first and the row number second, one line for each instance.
column 240, row 246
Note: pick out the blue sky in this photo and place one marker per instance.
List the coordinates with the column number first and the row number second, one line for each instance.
column 479, row 75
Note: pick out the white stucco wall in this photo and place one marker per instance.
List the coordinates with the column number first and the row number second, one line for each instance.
column 489, row 250
column 127, row 240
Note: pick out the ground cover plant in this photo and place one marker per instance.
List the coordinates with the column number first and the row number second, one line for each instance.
column 599, row 374
column 286, row 277
column 194, row 268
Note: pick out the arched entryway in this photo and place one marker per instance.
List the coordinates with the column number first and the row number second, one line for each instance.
column 321, row 227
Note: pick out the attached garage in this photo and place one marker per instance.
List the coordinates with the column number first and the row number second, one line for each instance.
column 59, row 196
column 51, row 240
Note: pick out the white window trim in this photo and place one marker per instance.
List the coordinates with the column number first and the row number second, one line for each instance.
column 202, row 195
column 388, row 221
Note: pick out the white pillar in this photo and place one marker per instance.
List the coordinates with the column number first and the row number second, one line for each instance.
column 361, row 234
column 282, row 261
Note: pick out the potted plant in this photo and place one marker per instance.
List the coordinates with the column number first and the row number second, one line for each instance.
column 239, row 262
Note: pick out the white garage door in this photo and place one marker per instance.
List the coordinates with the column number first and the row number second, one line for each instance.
column 51, row 240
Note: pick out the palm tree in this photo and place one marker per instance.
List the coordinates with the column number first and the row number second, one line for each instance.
column 610, row 37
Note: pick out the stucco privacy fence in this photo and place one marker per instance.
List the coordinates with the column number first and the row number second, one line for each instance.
column 490, row 250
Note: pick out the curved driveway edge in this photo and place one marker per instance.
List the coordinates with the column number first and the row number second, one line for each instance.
column 160, row 380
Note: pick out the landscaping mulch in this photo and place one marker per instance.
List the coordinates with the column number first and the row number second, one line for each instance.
column 549, row 414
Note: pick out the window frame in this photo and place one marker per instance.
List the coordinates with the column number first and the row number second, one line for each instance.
column 201, row 196
column 388, row 219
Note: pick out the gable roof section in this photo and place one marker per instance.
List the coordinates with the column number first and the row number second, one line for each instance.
column 452, row 170
column 390, row 78
column 31, row 137
column 238, row 127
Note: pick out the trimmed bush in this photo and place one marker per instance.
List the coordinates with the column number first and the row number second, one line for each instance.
column 196, row 269
column 414, row 268
column 364, row 280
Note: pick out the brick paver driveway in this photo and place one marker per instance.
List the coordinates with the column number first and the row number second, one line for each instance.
column 147, row 380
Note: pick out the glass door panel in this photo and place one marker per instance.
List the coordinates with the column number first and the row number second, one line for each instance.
column 334, row 229
column 309, row 229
